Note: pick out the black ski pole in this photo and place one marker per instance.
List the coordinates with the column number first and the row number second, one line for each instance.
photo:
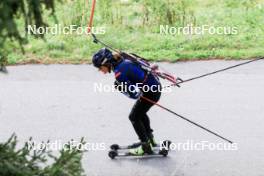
column 214, row 72
column 184, row 118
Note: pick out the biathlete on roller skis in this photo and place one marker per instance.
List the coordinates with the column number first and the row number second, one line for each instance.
column 129, row 75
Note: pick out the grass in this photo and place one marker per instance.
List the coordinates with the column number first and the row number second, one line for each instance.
column 128, row 33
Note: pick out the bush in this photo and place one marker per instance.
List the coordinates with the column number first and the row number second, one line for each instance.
column 29, row 162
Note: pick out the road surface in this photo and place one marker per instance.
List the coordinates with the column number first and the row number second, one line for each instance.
column 59, row 102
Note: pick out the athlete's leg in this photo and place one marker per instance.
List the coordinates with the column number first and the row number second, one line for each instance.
column 135, row 117
column 146, row 122
column 155, row 96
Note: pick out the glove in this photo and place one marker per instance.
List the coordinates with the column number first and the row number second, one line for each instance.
column 118, row 86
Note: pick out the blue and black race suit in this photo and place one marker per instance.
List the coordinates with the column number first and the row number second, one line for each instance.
column 136, row 82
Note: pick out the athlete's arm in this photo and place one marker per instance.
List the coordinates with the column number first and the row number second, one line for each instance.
column 128, row 89
column 128, row 78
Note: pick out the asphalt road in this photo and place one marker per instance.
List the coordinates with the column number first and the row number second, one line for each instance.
column 58, row 102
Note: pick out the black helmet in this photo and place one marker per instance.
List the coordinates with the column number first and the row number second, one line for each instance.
column 102, row 57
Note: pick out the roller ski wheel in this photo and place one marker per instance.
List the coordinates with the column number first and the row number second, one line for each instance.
column 112, row 154
column 163, row 152
column 115, row 147
column 166, row 144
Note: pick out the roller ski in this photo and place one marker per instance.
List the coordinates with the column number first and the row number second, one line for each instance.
column 140, row 149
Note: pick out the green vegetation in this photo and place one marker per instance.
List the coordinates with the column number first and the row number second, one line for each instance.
column 134, row 26
column 30, row 12
column 28, row 162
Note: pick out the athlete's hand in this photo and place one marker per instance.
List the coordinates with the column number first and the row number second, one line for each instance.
column 118, row 86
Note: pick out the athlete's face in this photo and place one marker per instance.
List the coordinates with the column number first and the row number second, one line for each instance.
column 104, row 69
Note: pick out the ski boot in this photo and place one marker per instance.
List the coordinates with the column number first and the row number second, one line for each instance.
column 144, row 148
column 152, row 141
